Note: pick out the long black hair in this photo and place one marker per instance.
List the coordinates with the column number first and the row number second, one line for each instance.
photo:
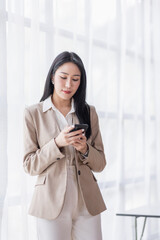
column 82, row 108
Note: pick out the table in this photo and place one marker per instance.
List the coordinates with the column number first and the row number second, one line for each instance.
column 152, row 211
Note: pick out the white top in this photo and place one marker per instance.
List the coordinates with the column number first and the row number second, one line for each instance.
column 63, row 121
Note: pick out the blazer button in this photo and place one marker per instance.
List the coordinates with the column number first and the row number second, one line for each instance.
column 79, row 172
column 58, row 158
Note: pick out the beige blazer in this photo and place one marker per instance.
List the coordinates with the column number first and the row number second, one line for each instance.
column 42, row 157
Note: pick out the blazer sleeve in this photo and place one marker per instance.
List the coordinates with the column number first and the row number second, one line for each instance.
column 36, row 159
column 96, row 158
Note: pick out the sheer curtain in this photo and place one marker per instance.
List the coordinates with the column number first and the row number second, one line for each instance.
column 118, row 42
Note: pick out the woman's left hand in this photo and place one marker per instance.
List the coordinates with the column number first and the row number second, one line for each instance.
column 81, row 145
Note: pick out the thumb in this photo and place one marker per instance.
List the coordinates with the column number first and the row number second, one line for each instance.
column 69, row 128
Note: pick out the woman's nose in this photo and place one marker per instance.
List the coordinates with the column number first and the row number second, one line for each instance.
column 68, row 83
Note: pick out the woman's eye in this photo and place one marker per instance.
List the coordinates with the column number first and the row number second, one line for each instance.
column 72, row 79
column 75, row 79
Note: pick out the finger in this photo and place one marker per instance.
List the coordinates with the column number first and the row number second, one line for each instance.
column 76, row 144
column 74, row 133
column 79, row 142
column 82, row 138
column 68, row 128
column 75, row 138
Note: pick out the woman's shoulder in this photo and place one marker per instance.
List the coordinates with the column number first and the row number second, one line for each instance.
column 92, row 108
column 34, row 108
column 93, row 114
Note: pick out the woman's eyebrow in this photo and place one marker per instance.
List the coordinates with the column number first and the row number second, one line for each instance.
column 73, row 75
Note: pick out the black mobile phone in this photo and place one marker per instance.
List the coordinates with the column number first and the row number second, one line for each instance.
column 80, row 126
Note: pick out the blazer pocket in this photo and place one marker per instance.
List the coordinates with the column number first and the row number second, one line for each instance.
column 40, row 180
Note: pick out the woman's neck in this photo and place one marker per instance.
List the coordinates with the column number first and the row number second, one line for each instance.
column 61, row 103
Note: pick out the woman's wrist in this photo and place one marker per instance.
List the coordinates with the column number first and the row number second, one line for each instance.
column 85, row 151
column 57, row 142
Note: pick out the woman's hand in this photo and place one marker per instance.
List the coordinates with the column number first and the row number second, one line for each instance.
column 80, row 144
column 76, row 138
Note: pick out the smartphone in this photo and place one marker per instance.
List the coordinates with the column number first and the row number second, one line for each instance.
column 80, row 126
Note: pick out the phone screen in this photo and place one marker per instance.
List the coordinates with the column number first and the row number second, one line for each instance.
column 80, row 126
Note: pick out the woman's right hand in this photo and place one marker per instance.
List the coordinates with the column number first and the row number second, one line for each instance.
column 66, row 138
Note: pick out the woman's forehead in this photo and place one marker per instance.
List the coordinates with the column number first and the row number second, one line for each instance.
column 69, row 68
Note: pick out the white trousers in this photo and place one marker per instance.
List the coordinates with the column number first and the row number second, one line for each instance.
column 74, row 221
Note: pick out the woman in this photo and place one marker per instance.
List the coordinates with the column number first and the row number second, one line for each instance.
column 66, row 201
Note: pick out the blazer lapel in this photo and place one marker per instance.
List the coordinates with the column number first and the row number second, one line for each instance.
column 75, row 118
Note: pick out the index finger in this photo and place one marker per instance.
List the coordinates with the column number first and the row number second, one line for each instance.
column 67, row 129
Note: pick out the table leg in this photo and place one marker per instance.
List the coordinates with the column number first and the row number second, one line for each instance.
column 136, row 232
column 136, row 228
column 144, row 224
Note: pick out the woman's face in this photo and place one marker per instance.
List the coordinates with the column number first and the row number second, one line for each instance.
column 66, row 80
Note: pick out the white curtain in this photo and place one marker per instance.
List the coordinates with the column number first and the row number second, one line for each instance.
column 118, row 42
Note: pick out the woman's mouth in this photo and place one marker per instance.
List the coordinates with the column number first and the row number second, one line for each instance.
column 67, row 92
